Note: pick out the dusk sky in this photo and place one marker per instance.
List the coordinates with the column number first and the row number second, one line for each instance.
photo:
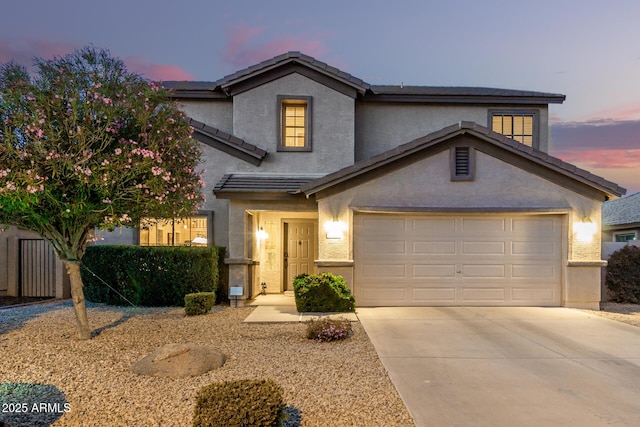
column 587, row 50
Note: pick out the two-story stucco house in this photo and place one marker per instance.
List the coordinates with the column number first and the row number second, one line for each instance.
column 417, row 195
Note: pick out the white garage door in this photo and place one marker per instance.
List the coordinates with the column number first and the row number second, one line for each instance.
column 511, row 260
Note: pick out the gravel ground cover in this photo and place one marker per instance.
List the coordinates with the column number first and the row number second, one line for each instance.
column 326, row 384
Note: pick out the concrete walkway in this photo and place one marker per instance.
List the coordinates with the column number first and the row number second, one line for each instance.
column 509, row 366
column 274, row 308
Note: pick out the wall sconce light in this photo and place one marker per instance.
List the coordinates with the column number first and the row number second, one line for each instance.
column 335, row 229
column 585, row 230
column 261, row 234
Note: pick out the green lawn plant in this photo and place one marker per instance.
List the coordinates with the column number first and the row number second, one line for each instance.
column 84, row 143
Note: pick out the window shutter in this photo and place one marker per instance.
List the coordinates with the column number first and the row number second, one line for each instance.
column 462, row 161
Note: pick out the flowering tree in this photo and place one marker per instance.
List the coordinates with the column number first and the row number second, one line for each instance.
column 84, row 143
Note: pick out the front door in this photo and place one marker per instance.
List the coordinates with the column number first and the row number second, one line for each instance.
column 299, row 250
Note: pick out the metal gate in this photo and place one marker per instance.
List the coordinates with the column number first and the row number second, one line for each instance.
column 37, row 269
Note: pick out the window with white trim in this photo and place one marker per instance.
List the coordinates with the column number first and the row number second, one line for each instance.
column 625, row 237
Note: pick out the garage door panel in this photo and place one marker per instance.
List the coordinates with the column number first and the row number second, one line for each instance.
column 421, row 271
column 433, row 226
column 495, row 271
column 534, row 271
column 483, row 225
column 529, row 247
column 483, row 247
column 383, row 296
column 538, row 294
column 541, row 226
column 433, row 248
column 387, row 271
column 483, row 294
column 429, row 295
column 382, row 247
column 461, row 259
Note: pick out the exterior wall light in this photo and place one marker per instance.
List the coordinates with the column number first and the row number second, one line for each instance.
column 261, row 234
column 335, row 229
column 585, row 230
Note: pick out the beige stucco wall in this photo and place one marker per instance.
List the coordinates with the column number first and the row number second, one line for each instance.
column 497, row 186
column 216, row 113
column 256, row 115
column 382, row 126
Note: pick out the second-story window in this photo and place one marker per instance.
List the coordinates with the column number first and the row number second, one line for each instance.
column 294, row 124
column 520, row 126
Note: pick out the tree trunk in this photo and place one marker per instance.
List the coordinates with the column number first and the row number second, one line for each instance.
column 77, row 294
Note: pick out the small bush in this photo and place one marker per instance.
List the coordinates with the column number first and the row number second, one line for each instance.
column 325, row 329
column 623, row 275
column 199, row 303
column 239, row 403
column 323, row 293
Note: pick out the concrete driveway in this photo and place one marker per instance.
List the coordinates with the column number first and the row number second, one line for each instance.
column 494, row 366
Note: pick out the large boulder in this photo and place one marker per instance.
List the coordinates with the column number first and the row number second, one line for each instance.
column 179, row 360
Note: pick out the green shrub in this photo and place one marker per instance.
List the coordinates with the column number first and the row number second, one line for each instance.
column 199, row 303
column 150, row 276
column 239, row 403
column 322, row 292
column 623, row 275
column 325, row 329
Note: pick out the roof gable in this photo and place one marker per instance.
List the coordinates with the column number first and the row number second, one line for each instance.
column 288, row 63
column 538, row 162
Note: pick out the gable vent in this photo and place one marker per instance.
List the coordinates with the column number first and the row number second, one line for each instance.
column 462, row 161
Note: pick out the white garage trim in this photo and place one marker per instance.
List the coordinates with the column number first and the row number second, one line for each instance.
column 457, row 259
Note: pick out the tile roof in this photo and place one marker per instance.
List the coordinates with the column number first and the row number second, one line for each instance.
column 461, row 93
column 622, row 211
column 293, row 57
column 263, row 183
column 228, row 143
column 482, row 132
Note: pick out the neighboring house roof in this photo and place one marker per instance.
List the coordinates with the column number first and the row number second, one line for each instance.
column 621, row 211
column 266, row 185
column 228, row 143
column 548, row 162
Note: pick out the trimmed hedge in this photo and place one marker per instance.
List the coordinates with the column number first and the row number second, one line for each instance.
column 150, row 276
column 199, row 303
column 623, row 275
column 323, row 293
column 250, row 403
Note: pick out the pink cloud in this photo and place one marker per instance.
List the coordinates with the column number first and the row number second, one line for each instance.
column 601, row 159
column 243, row 49
column 620, row 113
column 23, row 52
column 151, row 71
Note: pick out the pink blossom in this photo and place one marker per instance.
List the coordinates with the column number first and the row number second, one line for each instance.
column 118, row 151
column 156, row 170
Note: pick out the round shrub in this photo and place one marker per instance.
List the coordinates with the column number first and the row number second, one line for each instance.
column 250, row 403
column 623, row 275
column 324, row 292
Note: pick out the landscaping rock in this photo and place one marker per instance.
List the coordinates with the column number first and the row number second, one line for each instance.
column 179, row 361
